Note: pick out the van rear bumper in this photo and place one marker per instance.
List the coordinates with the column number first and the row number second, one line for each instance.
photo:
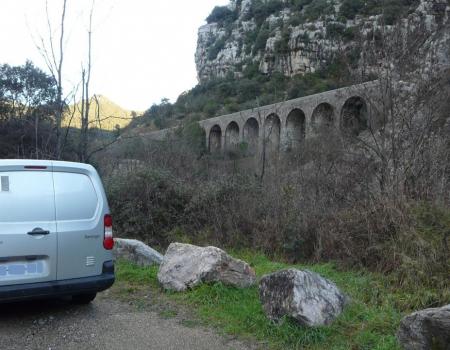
column 59, row 288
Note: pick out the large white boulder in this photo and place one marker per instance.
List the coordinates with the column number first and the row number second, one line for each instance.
column 185, row 266
column 136, row 252
column 303, row 295
column 427, row 329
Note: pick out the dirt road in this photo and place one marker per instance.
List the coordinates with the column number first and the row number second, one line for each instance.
column 105, row 324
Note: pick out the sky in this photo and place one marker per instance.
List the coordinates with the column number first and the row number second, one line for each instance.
column 142, row 50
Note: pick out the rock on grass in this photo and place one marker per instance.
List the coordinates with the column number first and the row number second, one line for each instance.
column 427, row 329
column 302, row 295
column 136, row 252
column 185, row 266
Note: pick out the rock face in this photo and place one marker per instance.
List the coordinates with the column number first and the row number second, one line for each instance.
column 185, row 266
column 426, row 330
column 303, row 295
column 292, row 40
column 136, row 252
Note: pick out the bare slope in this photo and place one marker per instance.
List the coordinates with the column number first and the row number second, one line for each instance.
column 103, row 114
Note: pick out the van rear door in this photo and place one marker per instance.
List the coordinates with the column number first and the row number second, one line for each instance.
column 28, row 236
column 79, row 217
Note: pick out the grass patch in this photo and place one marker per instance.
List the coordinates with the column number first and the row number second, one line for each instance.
column 369, row 322
column 133, row 274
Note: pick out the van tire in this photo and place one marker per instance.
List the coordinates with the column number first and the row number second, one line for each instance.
column 82, row 299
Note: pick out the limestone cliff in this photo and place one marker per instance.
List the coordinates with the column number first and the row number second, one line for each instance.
column 300, row 36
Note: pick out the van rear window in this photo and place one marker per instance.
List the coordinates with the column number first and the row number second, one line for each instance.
column 75, row 197
column 26, row 196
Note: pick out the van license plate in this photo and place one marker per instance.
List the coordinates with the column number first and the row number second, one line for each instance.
column 22, row 269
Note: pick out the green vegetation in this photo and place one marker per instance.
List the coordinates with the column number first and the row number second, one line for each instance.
column 215, row 48
column 27, row 105
column 318, row 8
column 259, row 10
column 335, row 30
column 369, row 322
column 351, row 8
column 299, row 5
column 391, row 10
column 134, row 275
column 158, row 115
column 282, row 45
column 261, row 39
column 227, row 95
column 222, row 15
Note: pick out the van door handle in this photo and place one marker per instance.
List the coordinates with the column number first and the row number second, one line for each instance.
column 38, row 232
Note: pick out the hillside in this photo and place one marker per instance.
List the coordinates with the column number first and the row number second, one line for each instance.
column 103, row 114
column 254, row 52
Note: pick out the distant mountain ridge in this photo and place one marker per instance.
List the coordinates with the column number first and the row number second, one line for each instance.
column 103, row 114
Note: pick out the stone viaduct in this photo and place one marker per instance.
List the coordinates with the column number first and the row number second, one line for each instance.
column 285, row 125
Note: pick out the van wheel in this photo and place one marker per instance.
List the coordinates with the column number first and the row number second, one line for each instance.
column 83, row 298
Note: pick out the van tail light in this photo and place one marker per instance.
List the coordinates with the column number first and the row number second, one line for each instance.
column 108, row 240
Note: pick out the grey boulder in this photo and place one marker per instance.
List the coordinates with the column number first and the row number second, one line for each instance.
column 426, row 330
column 302, row 295
column 136, row 252
column 185, row 266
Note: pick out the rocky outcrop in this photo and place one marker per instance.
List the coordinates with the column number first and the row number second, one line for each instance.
column 136, row 252
column 235, row 50
column 185, row 266
column 303, row 295
column 297, row 41
column 426, row 330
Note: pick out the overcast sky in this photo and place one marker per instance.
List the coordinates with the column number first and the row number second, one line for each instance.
column 143, row 50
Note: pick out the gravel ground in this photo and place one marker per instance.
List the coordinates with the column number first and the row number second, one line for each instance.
column 106, row 323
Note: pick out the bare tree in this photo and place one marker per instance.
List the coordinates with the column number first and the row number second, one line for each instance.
column 85, row 100
column 54, row 59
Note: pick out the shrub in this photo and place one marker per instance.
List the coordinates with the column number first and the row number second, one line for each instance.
column 250, row 38
column 247, row 90
column 146, row 203
column 214, row 49
column 424, row 246
column 210, row 108
column 317, row 9
column 350, row 33
column 261, row 39
column 251, row 70
column 298, row 5
column 260, row 10
column 350, row 8
column 282, row 45
column 221, row 15
column 296, row 19
column 335, row 30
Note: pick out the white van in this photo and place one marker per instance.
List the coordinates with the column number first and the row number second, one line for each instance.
column 55, row 231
